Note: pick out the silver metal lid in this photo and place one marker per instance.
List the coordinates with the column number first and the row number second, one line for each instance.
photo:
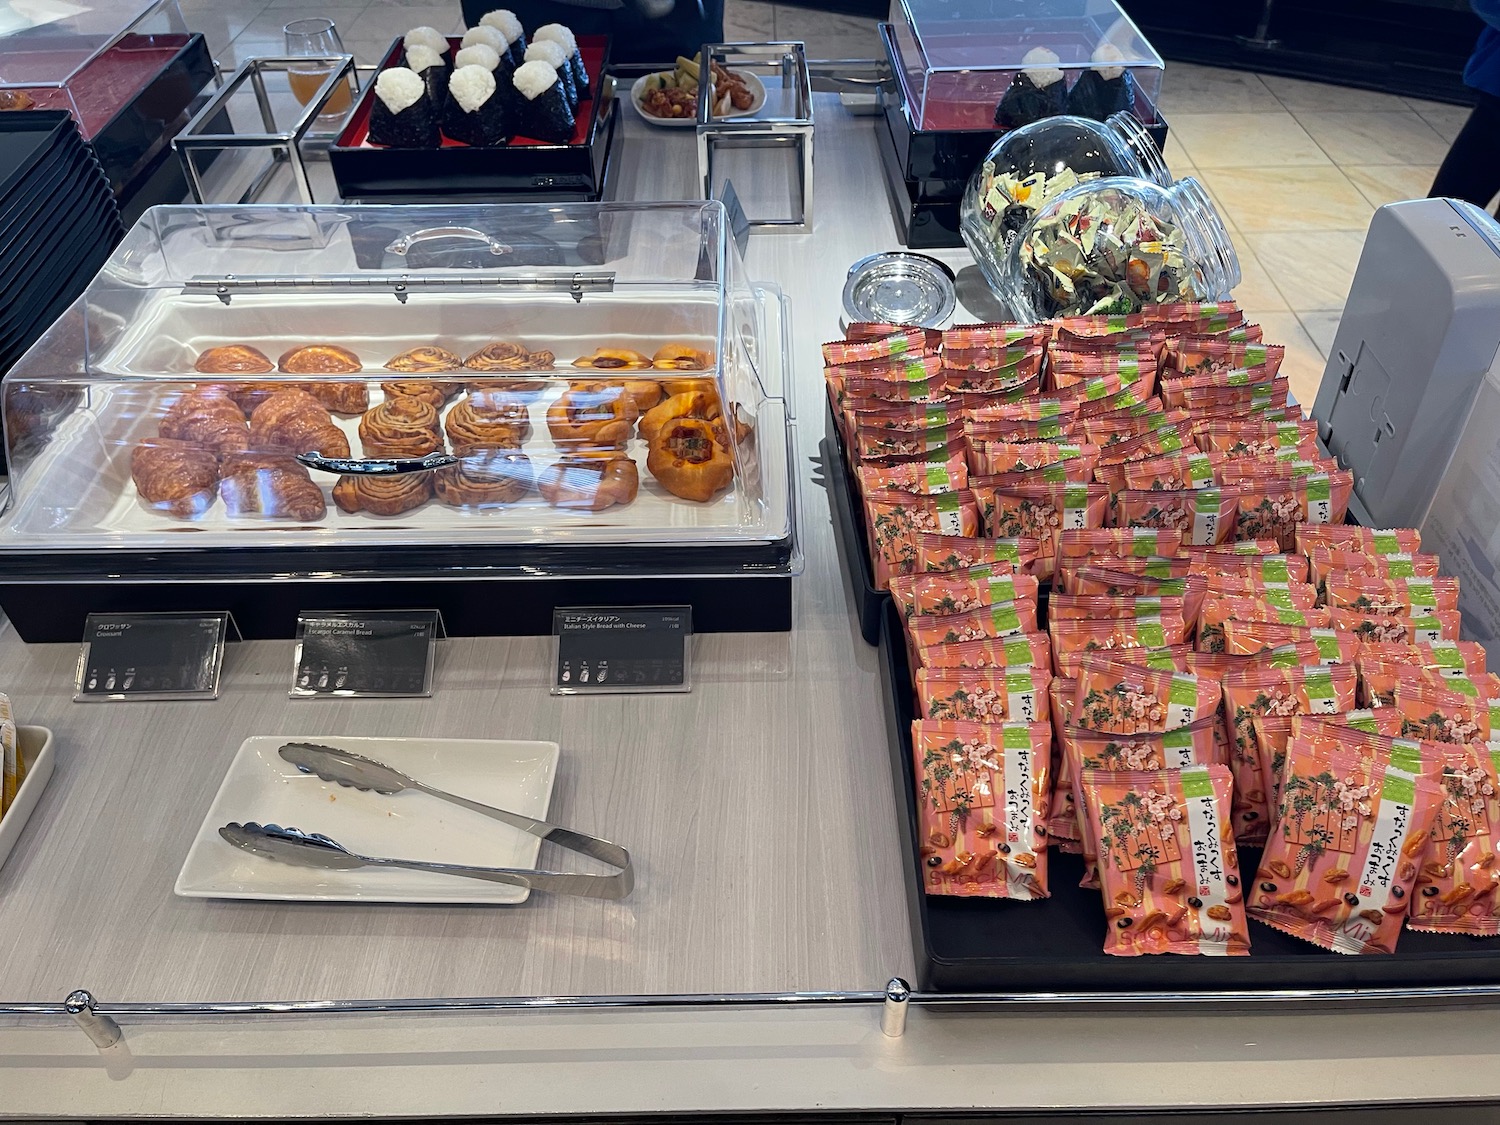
column 900, row 288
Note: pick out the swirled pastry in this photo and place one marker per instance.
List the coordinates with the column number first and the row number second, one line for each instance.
column 682, row 357
column 388, row 495
column 425, row 361
column 485, row 420
column 319, row 359
column 598, row 418
column 292, row 421
column 207, row 417
column 485, row 477
column 400, row 427
column 613, row 359
column 233, row 359
column 503, row 355
column 590, row 482
column 434, row 392
column 175, row 477
column 270, row 485
column 688, row 461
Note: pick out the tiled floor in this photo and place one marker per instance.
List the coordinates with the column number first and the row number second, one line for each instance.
column 1297, row 168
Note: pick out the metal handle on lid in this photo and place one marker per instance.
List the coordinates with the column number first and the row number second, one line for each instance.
column 376, row 466
column 404, row 244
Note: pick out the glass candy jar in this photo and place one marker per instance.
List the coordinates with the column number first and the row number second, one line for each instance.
column 1113, row 246
column 1033, row 164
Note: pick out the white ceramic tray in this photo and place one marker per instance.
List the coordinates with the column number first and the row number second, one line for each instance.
column 35, row 745
column 262, row 787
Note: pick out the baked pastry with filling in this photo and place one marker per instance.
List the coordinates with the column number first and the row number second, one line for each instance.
column 272, row 486
column 234, row 359
column 503, row 355
column 434, row 392
column 425, row 361
column 590, row 481
column 682, row 357
column 400, row 427
column 688, row 460
column 613, row 359
column 177, row 478
column 292, row 421
column 387, row 495
column 485, row 477
column 597, row 418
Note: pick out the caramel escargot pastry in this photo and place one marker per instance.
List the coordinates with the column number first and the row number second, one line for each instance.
column 319, row 359
column 270, row 485
column 678, row 356
column 483, row 420
column 425, row 360
column 485, row 477
column 435, row 392
column 233, row 359
column 688, row 461
column 400, row 427
column 590, row 482
column 692, row 404
column 613, row 359
column 387, row 495
column 505, row 355
column 597, row 418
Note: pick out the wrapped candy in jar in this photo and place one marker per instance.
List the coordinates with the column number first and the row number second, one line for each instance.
column 1033, row 164
column 1114, row 246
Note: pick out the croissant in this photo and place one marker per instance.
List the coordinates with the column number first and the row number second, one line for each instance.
column 293, row 421
column 320, row 359
column 599, row 418
column 175, row 477
column 400, row 427
column 249, row 396
column 481, row 420
column 231, row 359
column 688, row 461
column 207, row 417
column 271, row 485
column 485, row 477
column 682, row 357
column 693, row 404
column 434, row 392
column 388, row 495
column 341, row 398
column 608, row 359
column 426, row 360
column 590, row 482
column 503, row 355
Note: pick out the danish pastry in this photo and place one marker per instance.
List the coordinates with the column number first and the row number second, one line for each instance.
column 590, row 482
column 485, row 477
column 426, row 360
column 175, row 477
column 434, row 392
column 207, row 417
column 645, row 393
column 383, row 495
column 688, row 461
column 598, row 418
column 292, row 421
column 682, row 357
column 400, row 427
column 613, row 359
column 485, row 420
column 234, row 359
column 319, row 359
column 693, row 404
column 272, row 486
column 503, row 355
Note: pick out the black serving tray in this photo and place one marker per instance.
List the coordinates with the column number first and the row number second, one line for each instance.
column 849, row 523
column 968, row 945
column 514, row 172
column 924, row 222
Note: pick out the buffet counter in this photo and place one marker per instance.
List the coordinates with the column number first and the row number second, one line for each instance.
column 759, row 811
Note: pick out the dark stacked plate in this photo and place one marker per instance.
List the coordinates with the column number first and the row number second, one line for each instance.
column 58, row 223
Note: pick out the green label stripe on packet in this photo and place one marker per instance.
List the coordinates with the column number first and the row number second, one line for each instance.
column 1288, row 433
column 916, row 371
column 1279, row 596
column 938, row 478
column 1002, row 588
column 1056, row 473
column 1319, row 488
column 1049, row 408
column 1419, row 591
column 1017, row 736
column 1328, row 644
column 1319, row 683
column 1363, row 719
column 1150, row 634
column 1160, row 661
column 1016, row 682
column 898, row 345
column 1049, row 430
column 1075, row 496
column 1005, row 617
column 1173, row 587
column 1196, row 782
column 1006, row 552
column 1183, row 690
column 937, row 417
column 1143, row 542
column 1275, row 570
column 1179, row 739
column 1463, row 685
column 1424, row 623
column 1400, row 566
column 1095, row 389
column 1386, row 543
column 1159, row 568
column 1017, row 654
column 1494, row 709
column 1069, row 452
column 948, row 502
column 1237, row 379
column 1147, row 608
column 1290, row 616
column 1399, row 788
column 1406, row 756
column 1446, row 654
column 1494, row 749
column 1207, row 501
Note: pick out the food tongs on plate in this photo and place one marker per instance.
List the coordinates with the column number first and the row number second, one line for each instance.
column 309, row 849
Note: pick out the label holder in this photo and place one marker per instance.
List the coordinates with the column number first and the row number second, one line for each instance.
column 624, row 650
column 126, row 657
column 372, row 654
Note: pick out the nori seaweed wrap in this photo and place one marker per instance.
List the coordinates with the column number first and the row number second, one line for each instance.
column 564, row 37
column 552, row 54
column 542, row 110
column 428, row 65
column 429, row 37
column 1038, row 91
column 505, row 22
column 401, row 115
column 1105, row 88
column 475, row 113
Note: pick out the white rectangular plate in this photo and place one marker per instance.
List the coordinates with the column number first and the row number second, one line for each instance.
column 35, row 745
column 262, row 787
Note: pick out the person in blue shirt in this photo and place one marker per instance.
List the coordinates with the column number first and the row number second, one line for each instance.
column 1471, row 170
column 644, row 31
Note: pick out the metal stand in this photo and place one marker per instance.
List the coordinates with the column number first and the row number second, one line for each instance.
column 893, row 1012
column 102, row 1031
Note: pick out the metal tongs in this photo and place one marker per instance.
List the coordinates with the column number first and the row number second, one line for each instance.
column 306, row 849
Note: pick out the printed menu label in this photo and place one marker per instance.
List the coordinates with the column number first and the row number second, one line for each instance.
column 151, row 656
column 383, row 653
column 603, row 649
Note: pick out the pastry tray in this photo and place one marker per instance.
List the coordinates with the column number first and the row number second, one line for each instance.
column 35, row 745
column 1055, row 945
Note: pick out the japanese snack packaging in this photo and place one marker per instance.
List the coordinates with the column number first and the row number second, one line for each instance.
column 1319, row 689
column 1442, row 625
column 1203, row 515
column 959, row 591
column 1167, row 862
column 1003, row 619
column 1341, row 861
column 1274, row 508
column 1115, row 696
column 1245, row 638
column 1404, row 596
column 896, row 520
column 982, row 794
column 1351, row 537
column 1009, row 694
column 1020, row 651
column 1458, row 879
column 1041, row 511
column 937, row 552
column 1219, row 610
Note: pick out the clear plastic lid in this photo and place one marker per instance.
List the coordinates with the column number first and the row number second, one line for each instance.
column 48, row 42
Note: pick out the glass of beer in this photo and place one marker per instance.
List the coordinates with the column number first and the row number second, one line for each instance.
column 316, row 37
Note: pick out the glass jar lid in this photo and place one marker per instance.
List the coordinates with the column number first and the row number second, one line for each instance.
column 900, row 288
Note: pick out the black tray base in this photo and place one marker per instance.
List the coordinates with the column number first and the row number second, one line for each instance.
column 966, row 945
column 267, row 610
column 924, row 223
column 853, row 548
